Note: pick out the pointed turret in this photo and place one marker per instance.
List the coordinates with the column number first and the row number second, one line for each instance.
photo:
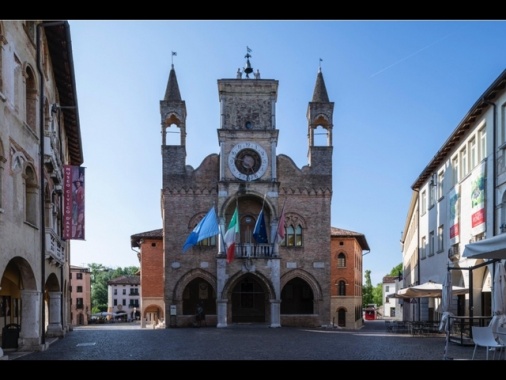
column 172, row 92
column 320, row 91
column 173, row 109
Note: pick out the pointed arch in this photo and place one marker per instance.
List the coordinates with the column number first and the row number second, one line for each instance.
column 295, row 225
column 248, row 294
column 30, row 187
column 196, row 285
column 30, row 97
column 300, row 291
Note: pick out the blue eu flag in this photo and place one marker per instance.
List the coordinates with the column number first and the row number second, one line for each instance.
column 260, row 232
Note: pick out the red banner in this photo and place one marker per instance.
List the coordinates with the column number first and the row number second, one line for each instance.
column 73, row 202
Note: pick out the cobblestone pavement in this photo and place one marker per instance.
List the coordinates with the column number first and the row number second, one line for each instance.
column 247, row 342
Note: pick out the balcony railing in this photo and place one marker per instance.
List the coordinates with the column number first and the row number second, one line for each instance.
column 253, row 251
column 55, row 250
column 461, row 328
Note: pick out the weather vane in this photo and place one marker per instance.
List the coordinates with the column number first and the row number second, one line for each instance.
column 248, row 70
column 172, row 57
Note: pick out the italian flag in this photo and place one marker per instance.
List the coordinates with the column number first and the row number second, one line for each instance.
column 232, row 231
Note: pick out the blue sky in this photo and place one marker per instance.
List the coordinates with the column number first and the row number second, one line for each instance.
column 400, row 88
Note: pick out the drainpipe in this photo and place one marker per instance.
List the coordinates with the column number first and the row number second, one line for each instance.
column 42, row 181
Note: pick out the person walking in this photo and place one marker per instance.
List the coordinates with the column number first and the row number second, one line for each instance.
column 200, row 315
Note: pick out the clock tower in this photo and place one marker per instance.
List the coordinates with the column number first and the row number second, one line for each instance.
column 248, row 136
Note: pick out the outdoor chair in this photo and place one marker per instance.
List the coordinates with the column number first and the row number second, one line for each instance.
column 484, row 337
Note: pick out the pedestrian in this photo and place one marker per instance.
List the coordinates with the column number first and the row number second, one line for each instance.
column 200, row 315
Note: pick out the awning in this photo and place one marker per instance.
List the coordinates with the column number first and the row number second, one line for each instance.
column 492, row 248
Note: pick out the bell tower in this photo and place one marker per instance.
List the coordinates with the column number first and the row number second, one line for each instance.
column 173, row 115
column 320, row 112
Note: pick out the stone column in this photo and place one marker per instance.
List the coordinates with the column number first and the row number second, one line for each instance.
column 276, row 284
column 54, row 327
column 29, row 336
column 275, row 313
column 221, row 299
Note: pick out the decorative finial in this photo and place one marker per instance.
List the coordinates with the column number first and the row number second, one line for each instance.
column 248, row 69
column 172, row 58
column 320, row 66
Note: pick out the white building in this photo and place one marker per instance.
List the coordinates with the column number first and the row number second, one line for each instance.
column 123, row 297
column 458, row 199
column 392, row 307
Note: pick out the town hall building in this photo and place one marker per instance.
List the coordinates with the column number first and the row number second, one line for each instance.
column 281, row 278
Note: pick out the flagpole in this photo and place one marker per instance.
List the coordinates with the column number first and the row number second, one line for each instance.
column 275, row 240
column 223, row 240
column 221, row 232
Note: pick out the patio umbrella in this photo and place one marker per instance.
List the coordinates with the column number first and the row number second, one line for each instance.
column 429, row 289
column 498, row 296
column 446, row 301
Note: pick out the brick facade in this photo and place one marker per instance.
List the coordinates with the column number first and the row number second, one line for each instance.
column 347, row 248
column 152, row 302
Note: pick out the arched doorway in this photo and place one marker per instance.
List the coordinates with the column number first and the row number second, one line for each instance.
column 248, row 301
column 297, row 297
column 199, row 291
column 341, row 317
column 153, row 314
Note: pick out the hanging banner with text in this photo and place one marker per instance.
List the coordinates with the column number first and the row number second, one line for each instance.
column 478, row 187
column 454, row 215
column 73, row 202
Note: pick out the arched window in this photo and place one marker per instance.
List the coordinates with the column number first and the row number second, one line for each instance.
column 31, row 99
column 293, row 237
column 342, row 288
column 30, row 196
column 341, row 260
column 290, row 236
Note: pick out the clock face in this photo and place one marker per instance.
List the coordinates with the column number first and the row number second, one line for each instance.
column 247, row 161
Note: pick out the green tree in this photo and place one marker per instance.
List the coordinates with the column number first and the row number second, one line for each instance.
column 396, row 271
column 374, row 294
column 367, row 290
column 377, row 295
